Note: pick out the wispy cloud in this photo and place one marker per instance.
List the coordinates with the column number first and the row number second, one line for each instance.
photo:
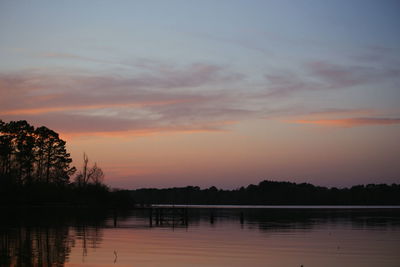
column 284, row 84
column 162, row 100
column 351, row 122
column 341, row 76
column 157, row 97
column 322, row 75
column 341, row 111
column 377, row 54
column 73, row 57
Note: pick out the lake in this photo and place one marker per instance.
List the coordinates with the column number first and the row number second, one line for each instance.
column 202, row 236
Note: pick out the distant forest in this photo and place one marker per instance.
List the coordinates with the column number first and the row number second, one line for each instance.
column 273, row 193
column 35, row 169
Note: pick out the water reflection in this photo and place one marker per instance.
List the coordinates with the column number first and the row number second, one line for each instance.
column 35, row 246
column 38, row 237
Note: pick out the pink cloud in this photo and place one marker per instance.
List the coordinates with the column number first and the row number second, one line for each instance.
column 150, row 102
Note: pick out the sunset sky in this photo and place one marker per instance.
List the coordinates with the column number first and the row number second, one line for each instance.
column 224, row 93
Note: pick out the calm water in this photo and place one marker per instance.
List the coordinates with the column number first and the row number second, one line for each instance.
column 210, row 237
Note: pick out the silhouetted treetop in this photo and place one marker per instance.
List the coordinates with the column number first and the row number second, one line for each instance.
column 29, row 155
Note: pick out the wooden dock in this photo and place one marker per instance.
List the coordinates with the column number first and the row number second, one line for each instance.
column 171, row 215
column 168, row 215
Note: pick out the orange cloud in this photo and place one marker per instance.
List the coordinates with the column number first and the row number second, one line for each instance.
column 210, row 127
column 351, row 122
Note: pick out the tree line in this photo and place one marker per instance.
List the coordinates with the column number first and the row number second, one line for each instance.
column 272, row 193
column 35, row 167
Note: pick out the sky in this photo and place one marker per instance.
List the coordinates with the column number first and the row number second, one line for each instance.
column 223, row 93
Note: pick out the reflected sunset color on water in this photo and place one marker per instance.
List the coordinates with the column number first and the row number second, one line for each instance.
column 212, row 237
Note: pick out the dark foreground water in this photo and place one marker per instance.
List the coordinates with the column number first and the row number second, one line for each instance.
column 210, row 237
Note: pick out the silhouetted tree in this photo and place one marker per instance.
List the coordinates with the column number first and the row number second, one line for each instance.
column 24, row 153
column 93, row 175
column 17, row 156
column 6, row 149
column 29, row 155
column 96, row 174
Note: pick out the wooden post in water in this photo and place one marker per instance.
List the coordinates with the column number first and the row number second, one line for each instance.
column 157, row 216
column 185, row 217
column 115, row 215
column 173, row 217
column 151, row 216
